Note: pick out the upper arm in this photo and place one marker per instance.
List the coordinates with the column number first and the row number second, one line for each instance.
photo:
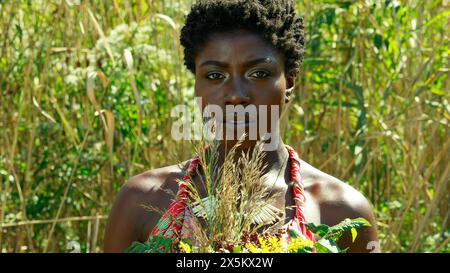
column 352, row 204
column 123, row 227
column 130, row 218
column 366, row 239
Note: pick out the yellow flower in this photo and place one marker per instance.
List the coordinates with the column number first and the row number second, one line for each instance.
column 298, row 244
column 275, row 244
column 252, row 248
column 271, row 244
column 264, row 247
column 184, row 247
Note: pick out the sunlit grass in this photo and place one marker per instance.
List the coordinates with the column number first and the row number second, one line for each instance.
column 371, row 108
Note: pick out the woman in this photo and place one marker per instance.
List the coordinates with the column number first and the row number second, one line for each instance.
column 244, row 53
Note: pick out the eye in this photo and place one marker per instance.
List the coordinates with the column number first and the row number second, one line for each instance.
column 215, row 76
column 259, row 74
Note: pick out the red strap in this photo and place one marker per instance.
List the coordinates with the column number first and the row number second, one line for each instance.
column 299, row 194
column 171, row 222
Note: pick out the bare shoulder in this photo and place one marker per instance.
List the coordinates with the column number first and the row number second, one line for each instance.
column 153, row 183
column 337, row 201
column 330, row 191
column 135, row 209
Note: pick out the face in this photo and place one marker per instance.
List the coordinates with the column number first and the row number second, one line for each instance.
column 240, row 68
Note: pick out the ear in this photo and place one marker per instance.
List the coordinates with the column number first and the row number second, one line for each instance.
column 290, row 84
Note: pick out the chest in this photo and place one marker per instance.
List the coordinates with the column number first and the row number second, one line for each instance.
column 286, row 202
column 281, row 187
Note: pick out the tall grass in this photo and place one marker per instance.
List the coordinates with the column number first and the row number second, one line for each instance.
column 86, row 93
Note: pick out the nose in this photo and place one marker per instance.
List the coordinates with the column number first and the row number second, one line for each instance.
column 236, row 93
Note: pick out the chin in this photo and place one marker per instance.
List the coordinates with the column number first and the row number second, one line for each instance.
column 245, row 144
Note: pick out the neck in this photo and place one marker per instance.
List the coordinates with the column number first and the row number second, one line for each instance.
column 275, row 160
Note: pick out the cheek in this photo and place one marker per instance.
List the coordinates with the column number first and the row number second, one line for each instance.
column 273, row 93
column 201, row 90
column 200, row 96
column 207, row 95
column 197, row 89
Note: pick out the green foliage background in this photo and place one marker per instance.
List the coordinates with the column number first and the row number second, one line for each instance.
column 371, row 107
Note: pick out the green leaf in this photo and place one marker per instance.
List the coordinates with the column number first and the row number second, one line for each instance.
column 336, row 231
column 294, row 233
column 19, row 31
column 378, row 40
column 321, row 230
column 237, row 249
column 303, row 250
column 326, row 246
column 155, row 244
column 136, row 247
column 435, row 19
column 330, row 14
column 354, row 234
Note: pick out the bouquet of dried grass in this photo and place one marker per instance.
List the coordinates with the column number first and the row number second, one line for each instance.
column 236, row 214
column 238, row 201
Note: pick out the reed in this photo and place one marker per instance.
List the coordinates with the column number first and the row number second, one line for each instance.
column 371, row 107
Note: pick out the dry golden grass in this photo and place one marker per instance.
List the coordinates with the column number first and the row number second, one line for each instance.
column 249, row 196
column 371, row 107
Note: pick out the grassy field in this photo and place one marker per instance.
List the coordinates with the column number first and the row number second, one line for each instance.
column 371, row 107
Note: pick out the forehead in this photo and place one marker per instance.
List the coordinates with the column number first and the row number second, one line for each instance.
column 237, row 46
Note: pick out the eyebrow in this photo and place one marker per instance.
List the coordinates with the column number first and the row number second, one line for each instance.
column 248, row 63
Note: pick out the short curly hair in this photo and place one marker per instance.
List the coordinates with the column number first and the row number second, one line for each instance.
column 275, row 20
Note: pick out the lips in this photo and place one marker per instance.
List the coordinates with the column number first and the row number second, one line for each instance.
column 239, row 121
column 241, row 124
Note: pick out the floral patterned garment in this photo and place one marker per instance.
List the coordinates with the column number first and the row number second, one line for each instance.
column 172, row 223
